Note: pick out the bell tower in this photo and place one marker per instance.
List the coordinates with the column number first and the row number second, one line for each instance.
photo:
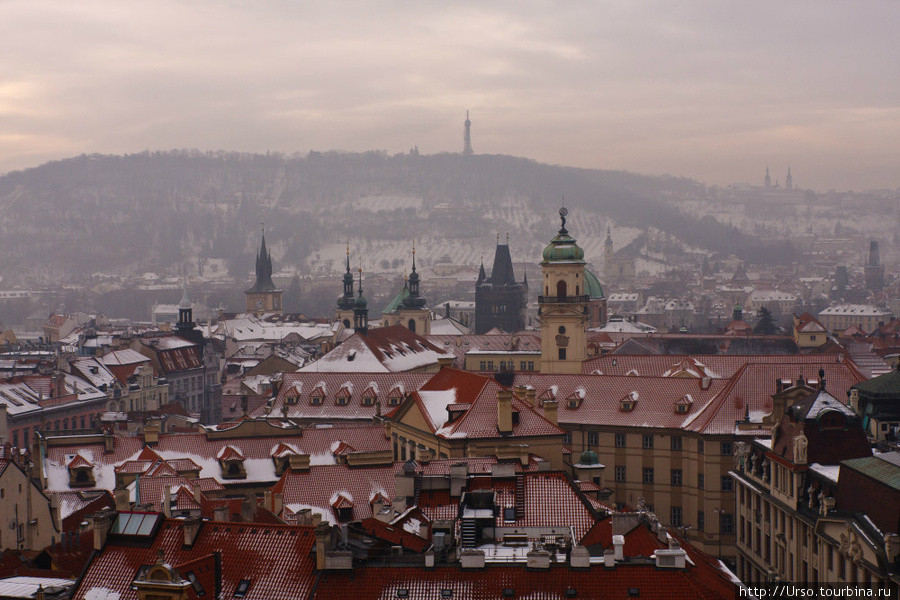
column 344, row 311
column 263, row 297
column 563, row 304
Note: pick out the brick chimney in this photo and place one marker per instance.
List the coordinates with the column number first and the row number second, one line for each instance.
column 191, row 527
column 504, row 412
column 551, row 411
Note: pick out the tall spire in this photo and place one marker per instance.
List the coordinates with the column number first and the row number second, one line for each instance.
column 360, row 310
column 346, row 301
column 263, row 268
column 413, row 300
column 467, row 136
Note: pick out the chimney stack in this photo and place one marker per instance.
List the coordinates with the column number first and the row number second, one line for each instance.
column 619, row 547
column 504, row 412
column 551, row 411
column 191, row 529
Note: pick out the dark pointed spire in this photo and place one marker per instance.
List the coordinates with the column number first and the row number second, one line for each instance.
column 360, row 310
column 263, row 268
column 346, row 301
column 414, row 299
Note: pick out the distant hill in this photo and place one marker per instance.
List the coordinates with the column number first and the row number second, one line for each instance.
column 153, row 211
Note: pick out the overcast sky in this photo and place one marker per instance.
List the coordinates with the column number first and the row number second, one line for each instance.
column 709, row 90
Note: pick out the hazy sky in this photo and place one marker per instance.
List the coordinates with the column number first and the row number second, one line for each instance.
column 710, row 90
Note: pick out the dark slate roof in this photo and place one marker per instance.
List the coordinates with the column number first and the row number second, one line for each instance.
column 882, row 468
column 502, row 273
column 883, row 387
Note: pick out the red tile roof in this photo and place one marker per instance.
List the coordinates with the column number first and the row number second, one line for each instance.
column 302, row 385
column 551, row 584
column 275, row 558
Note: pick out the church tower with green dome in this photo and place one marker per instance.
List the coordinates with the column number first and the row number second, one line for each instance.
column 408, row 308
column 344, row 311
column 563, row 304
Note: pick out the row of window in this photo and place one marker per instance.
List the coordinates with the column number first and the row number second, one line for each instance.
column 647, row 443
column 676, row 478
column 726, row 520
column 524, row 365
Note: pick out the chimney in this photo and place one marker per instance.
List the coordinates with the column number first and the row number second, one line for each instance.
column 662, row 535
column 619, row 547
column 531, row 396
column 459, row 475
column 267, row 499
column 609, row 558
column 580, row 558
column 109, row 443
column 551, row 411
column 519, row 391
column 101, row 524
column 167, row 501
column 220, row 513
column 151, row 434
column 191, row 529
column 248, row 509
column 198, row 497
column 277, row 504
column 504, row 412
column 323, row 538
column 123, row 501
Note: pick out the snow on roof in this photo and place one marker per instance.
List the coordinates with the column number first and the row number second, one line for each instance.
column 435, row 403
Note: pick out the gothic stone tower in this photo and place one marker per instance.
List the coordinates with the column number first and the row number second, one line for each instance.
column 263, row 297
column 500, row 301
column 562, row 307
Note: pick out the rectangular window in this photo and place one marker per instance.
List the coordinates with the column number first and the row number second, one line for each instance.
column 727, row 527
column 620, row 440
column 676, row 477
column 620, row 473
column 700, row 446
column 502, row 365
column 676, row 443
column 701, row 520
column 648, row 442
column 522, row 365
column 648, row 475
column 567, row 438
column 727, row 483
column 593, row 438
column 562, row 354
column 482, row 366
column 701, row 483
column 675, row 515
column 726, row 449
column 490, row 365
column 531, row 365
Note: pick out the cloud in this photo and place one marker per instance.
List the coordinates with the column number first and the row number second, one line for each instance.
column 703, row 89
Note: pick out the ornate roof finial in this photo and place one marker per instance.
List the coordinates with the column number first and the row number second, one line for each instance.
column 348, row 256
column 507, row 238
column 414, row 257
column 562, row 215
column 498, row 238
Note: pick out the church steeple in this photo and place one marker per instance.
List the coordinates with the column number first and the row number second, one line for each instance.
column 789, row 181
column 263, row 297
column 185, row 312
column 346, row 301
column 360, row 310
column 768, row 178
column 414, row 299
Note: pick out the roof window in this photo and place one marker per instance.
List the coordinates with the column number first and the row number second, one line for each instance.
column 242, row 588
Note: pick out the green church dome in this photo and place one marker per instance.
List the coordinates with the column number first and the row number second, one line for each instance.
column 592, row 285
column 563, row 248
column 589, row 457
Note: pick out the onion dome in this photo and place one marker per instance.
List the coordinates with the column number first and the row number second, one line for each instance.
column 563, row 248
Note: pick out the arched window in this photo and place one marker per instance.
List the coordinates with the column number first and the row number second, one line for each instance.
column 412, row 325
column 561, row 289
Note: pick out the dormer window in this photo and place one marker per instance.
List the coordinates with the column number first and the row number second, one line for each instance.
column 574, row 399
column 316, row 399
column 628, row 403
column 683, row 404
column 369, row 396
column 344, row 394
column 292, row 399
